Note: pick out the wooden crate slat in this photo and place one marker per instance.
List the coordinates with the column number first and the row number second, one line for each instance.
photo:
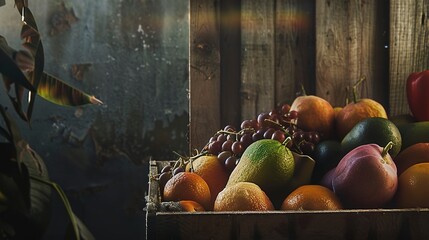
column 257, row 57
column 204, row 103
column 346, row 224
column 294, row 49
column 409, row 49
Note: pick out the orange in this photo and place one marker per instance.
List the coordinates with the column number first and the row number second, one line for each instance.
column 416, row 153
column 413, row 190
column 311, row 197
column 243, row 196
column 212, row 171
column 314, row 114
column 355, row 112
column 188, row 186
column 191, row 206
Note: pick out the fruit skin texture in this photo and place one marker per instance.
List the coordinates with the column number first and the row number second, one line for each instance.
column 355, row 112
column 188, row 186
column 365, row 178
column 267, row 163
column 413, row 191
column 191, row 206
column 212, row 171
column 413, row 133
column 311, row 197
column 416, row 153
column 373, row 130
column 243, row 196
column 417, row 94
column 314, row 114
column 327, row 155
column 326, row 180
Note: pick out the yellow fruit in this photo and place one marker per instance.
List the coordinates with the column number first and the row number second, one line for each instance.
column 212, row 171
column 188, row 186
column 355, row 112
column 243, row 196
column 314, row 114
column 311, row 197
column 413, row 190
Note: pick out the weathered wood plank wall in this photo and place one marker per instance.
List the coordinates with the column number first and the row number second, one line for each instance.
column 257, row 57
column 323, row 45
column 409, row 48
column 347, row 47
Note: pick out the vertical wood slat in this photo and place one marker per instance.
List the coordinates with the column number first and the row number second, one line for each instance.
column 257, row 57
column 204, row 81
column 230, row 50
column 409, row 49
column 294, row 48
column 346, row 47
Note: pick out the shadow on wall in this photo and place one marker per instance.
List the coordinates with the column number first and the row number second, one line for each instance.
column 133, row 55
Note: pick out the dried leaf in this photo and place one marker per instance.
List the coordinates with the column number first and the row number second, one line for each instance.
column 59, row 92
column 9, row 68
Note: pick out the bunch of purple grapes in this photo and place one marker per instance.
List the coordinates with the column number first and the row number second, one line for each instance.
column 229, row 143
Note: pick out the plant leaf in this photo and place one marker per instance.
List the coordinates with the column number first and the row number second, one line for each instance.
column 40, row 193
column 84, row 233
column 9, row 68
column 35, row 77
column 76, row 224
column 59, row 92
column 12, row 128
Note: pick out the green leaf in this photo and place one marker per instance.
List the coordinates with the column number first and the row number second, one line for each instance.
column 76, row 225
column 84, row 233
column 40, row 193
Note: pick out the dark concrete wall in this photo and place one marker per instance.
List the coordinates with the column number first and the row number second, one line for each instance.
column 134, row 57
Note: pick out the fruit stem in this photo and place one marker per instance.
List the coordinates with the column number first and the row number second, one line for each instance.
column 355, row 98
column 347, row 95
column 286, row 141
column 387, row 148
column 303, row 93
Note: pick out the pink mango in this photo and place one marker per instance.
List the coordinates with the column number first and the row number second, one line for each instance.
column 366, row 177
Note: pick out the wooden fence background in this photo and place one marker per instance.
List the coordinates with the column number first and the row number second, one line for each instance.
column 247, row 56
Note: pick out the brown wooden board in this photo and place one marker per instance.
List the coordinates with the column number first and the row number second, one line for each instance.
column 344, row 224
column 348, row 46
column 294, row 49
column 204, row 80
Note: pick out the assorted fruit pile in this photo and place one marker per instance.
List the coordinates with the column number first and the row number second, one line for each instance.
column 308, row 155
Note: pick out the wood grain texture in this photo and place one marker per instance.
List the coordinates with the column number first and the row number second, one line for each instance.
column 294, row 49
column 346, row 47
column 204, row 82
column 345, row 224
column 257, row 57
column 409, row 49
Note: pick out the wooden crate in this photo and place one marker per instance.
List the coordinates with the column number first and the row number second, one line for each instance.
column 344, row 224
column 246, row 56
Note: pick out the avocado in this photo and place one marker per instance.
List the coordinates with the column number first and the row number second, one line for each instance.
column 326, row 154
column 373, row 130
column 412, row 133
